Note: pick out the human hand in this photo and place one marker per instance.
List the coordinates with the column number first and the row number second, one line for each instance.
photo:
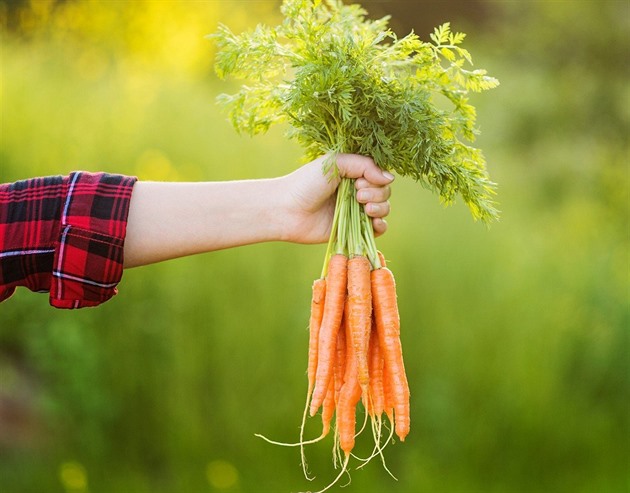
column 312, row 197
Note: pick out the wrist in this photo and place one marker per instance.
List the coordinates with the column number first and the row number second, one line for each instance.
column 255, row 211
column 284, row 219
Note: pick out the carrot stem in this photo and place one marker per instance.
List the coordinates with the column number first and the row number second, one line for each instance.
column 355, row 243
column 337, row 241
column 369, row 240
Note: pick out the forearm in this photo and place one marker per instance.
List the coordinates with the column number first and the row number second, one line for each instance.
column 170, row 220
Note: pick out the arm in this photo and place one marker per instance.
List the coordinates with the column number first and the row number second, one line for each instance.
column 170, row 220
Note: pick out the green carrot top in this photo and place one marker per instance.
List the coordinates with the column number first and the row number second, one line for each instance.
column 345, row 83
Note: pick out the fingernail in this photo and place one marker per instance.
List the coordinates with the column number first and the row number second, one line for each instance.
column 363, row 195
column 388, row 175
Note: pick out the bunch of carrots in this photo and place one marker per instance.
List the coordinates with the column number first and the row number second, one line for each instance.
column 346, row 83
column 355, row 353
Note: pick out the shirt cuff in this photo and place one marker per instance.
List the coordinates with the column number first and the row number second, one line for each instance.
column 88, row 259
column 6, row 293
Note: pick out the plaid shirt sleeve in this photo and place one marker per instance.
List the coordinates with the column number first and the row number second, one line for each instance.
column 64, row 235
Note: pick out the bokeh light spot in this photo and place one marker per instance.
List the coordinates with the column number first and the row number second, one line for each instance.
column 73, row 476
column 221, row 474
column 153, row 164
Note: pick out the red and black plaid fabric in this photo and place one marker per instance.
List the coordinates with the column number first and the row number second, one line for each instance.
column 64, row 235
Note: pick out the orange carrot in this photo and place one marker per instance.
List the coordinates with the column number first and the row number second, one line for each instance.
column 377, row 393
column 381, row 258
column 388, row 328
column 360, row 317
column 336, row 281
column 388, row 399
column 340, row 359
column 349, row 396
column 317, row 312
column 328, row 407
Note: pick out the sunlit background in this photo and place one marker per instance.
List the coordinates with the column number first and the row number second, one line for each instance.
column 515, row 337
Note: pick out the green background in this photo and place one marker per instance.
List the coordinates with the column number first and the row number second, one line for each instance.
column 515, row 337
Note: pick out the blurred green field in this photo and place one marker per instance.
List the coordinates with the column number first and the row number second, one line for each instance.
column 515, row 337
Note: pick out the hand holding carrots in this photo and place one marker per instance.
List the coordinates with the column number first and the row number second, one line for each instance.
column 312, row 196
column 355, row 353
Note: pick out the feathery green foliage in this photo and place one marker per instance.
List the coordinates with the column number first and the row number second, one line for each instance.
column 345, row 83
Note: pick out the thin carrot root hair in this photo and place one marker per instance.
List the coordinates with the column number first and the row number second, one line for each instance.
column 376, row 423
column 302, row 425
column 376, row 426
column 389, row 440
column 344, row 470
column 336, row 451
column 290, row 444
column 378, row 449
column 301, row 442
column 364, row 425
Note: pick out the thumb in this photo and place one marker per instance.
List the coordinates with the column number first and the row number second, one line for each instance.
column 356, row 166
